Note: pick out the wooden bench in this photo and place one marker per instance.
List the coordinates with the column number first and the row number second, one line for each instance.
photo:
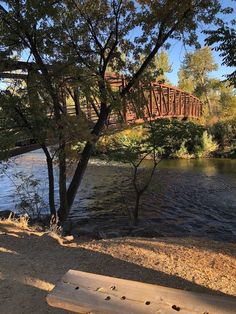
column 82, row 292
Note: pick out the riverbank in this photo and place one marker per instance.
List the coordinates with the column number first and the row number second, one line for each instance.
column 32, row 262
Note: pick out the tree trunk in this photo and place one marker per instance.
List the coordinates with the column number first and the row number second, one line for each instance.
column 51, row 192
column 79, row 173
column 63, row 211
column 208, row 103
column 136, row 208
column 85, row 156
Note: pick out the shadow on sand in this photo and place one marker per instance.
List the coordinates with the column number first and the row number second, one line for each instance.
column 31, row 265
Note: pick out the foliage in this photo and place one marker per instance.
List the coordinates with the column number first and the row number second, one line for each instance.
column 194, row 74
column 69, row 47
column 206, row 147
column 224, row 132
column 199, row 64
column 224, row 40
column 186, row 83
column 223, row 101
column 173, row 135
column 157, row 69
column 227, row 101
column 133, row 150
column 182, row 152
column 162, row 63
column 172, row 138
column 106, row 140
column 194, row 78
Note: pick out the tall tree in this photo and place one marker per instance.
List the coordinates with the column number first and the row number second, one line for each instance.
column 70, row 45
column 162, row 65
column 157, row 69
column 195, row 72
column 186, row 83
column 227, row 100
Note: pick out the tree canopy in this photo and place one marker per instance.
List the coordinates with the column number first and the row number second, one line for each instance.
column 64, row 50
column 194, row 73
column 223, row 40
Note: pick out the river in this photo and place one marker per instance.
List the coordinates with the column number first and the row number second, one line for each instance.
column 186, row 197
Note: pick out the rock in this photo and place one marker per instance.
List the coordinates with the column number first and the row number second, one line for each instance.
column 69, row 238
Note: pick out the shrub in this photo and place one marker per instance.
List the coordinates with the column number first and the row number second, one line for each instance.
column 29, row 198
column 177, row 138
column 207, row 146
column 182, row 152
column 224, row 132
column 173, row 138
column 106, row 141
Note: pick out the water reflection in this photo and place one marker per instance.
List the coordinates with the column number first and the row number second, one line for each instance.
column 187, row 197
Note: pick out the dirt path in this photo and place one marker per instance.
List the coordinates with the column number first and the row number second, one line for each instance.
column 32, row 262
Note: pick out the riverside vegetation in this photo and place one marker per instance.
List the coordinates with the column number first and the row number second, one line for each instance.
column 154, row 141
column 181, row 139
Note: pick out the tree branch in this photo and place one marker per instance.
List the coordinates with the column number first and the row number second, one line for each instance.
column 161, row 39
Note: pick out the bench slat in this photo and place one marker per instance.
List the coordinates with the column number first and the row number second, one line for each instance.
column 83, row 292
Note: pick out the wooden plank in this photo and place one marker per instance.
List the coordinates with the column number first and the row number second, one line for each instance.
column 83, row 292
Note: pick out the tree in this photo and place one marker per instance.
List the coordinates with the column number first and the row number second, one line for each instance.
column 224, row 40
column 163, row 66
column 194, row 73
column 69, row 47
column 186, row 83
column 133, row 150
column 157, row 69
column 227, row 100
column 24, row 115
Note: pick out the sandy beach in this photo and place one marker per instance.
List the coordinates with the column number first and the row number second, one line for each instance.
column 31, row 263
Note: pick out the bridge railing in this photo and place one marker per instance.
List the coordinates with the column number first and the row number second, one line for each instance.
column 158, row 101
column 149, row 101
column 145, row 101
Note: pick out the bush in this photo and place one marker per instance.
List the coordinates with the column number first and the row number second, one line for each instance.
column 173, row 138
column 178, row 138
column 106, row 141
column 207, row 146
column 224, row 132
column 182, row 152
column 28, row 195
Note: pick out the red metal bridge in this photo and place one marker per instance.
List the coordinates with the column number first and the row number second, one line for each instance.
column 149, row 102
column 145, row 101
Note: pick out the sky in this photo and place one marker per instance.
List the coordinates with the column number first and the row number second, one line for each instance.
column 176, row 54
column 178, row 50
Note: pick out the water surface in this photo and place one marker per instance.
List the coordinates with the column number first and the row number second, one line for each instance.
column 186, row 197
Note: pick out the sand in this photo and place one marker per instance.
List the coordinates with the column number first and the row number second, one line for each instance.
column 32, row 262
